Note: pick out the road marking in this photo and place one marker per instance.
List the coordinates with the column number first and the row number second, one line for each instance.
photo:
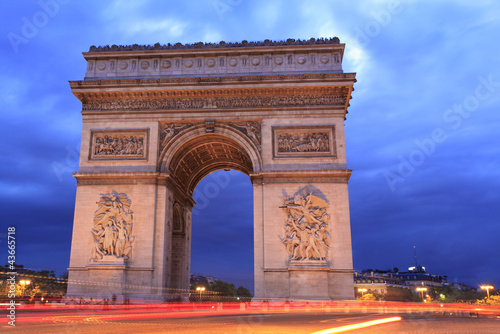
column 357, row 326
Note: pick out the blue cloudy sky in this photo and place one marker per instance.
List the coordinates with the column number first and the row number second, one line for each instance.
column 423, row 129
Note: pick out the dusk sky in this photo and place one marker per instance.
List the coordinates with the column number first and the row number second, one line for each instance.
column 422, row 133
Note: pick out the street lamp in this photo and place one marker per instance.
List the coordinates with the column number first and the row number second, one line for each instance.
column 200, row 288
column 362, row 290
column 422, row 290
column 487, row 288
column 24, row 283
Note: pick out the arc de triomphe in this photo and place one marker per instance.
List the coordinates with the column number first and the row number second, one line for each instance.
column 158, row 119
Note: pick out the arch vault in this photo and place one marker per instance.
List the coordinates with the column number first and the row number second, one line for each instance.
column 158, row 119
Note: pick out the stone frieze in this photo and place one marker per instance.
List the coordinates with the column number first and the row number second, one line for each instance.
column 216, row 102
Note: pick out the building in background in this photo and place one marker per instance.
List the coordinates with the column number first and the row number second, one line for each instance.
column 200, row 279
column 417, row 277
column 377, row 281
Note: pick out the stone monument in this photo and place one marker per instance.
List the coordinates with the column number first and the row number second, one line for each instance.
column 158, row 119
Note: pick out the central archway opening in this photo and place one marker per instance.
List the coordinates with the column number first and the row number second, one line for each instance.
column 222, row 229
column 215, row 237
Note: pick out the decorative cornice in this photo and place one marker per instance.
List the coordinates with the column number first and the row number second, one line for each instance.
column 122, row 178
column 327, row 78
column 227, row 76
column 221, row 44
column 301, row 176
column 214, row 99
column 120, row 175
column 319, row 173
column 330, row 270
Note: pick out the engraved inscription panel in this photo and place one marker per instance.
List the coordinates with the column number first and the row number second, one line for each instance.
column 119, row 144
column 304, row 141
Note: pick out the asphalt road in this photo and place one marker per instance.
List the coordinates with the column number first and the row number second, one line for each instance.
column 121, row 322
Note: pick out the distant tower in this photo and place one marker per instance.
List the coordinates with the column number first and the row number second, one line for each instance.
column 416, row 267
column 415, row 255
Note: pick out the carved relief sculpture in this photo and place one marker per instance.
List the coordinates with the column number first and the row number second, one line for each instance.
column 251, row 129
column 170, row 130
column 217, row 102
column 118, row 144
column 112, row 231
column 303, row 142
column 306, row 236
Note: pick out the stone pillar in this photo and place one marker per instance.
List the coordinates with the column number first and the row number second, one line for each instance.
column 292, row 261
column 137, row 273
column 258, row 238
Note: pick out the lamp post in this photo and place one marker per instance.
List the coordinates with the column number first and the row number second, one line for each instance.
column 24, row 283
column 200, row 289
column 362, row 290
column 487, row 288
column 422, row 290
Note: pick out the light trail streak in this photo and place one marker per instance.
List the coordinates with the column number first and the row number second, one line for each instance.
column 357, row 326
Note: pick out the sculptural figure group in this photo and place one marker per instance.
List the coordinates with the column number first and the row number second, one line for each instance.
column 119, row 145
column 303, row 142
column 250, row 128
column 306, row 235
column 112, row 227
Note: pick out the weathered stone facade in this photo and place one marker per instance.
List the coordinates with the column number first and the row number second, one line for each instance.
column 158, row 119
